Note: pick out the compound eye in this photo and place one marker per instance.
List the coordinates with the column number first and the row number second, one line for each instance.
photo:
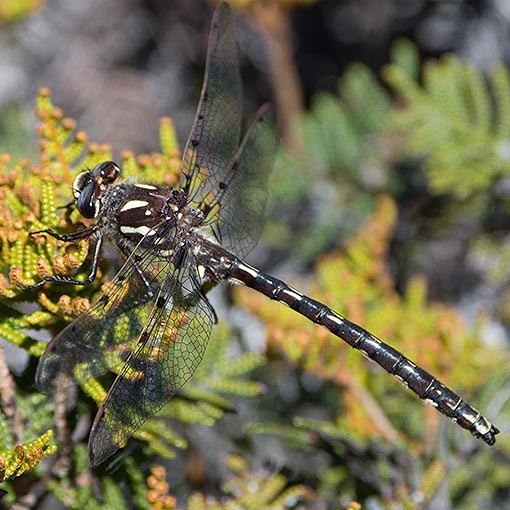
column 107, row 171
column 86, row 200
column 80, row 181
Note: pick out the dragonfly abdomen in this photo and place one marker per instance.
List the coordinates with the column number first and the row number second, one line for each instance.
column 418, row 380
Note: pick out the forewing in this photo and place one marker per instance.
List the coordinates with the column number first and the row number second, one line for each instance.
column 168, row 352
column 101, row 338
column 215, row 134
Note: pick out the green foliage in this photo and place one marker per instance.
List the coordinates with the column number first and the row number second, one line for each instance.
column 252, row 491
column 454, row 125
column 343, row 139
column 81, row 494
column 204, row 399
column 24, row 457
column 459, row 123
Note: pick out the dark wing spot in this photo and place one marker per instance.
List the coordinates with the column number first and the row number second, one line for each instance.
column 179, row 257
column 104, row 299
column 124, row 354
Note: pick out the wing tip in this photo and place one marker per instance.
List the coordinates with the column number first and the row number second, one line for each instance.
column 101, row 443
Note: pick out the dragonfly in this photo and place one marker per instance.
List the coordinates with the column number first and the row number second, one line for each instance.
column 153, row 321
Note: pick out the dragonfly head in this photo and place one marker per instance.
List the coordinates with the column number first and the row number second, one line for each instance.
column 90, row 186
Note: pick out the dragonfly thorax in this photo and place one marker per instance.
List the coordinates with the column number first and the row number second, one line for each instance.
column 152, row 215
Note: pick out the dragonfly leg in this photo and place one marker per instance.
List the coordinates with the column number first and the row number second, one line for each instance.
column 68, row 238
column 64, row 279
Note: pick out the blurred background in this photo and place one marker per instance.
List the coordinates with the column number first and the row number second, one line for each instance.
column 391, row 193
column 128, row 62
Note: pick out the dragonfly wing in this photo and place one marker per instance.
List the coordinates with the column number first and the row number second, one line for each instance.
column 216, row 173
column 241, row 216
column 101, row 338
column 216, row 130
column 168, row 352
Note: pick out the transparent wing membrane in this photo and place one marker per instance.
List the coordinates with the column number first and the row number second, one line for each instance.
column 215, row 134
column 100, row 339
column 241, row 215
column 169, row 351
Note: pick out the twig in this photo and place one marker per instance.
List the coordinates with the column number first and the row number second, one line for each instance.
column 273, row 19
column 63, row 463
column 9, row 400
column 374, row 411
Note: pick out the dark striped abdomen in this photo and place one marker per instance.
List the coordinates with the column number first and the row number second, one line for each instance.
column 417, row 379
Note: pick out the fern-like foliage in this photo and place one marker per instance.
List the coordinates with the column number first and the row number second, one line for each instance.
column 114, row 490
column 207, row 397
column 24, row 457
column 453, row 124
column 339, row 168
column 246, row 490
column 204, row 400
column 458, row 121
